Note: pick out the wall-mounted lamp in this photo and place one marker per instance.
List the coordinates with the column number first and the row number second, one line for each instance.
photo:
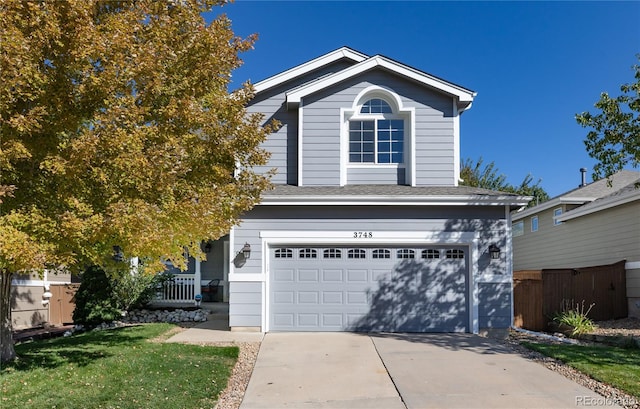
column 494, row 251
column 246, row 250
column 207, row 247
column 242, row 256
column 118, row 255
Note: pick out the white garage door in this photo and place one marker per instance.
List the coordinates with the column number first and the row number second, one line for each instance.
column 394, row 289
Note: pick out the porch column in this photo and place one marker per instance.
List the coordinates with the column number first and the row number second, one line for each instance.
column 197, row 279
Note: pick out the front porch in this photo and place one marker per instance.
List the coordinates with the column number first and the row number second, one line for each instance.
column 182, row 289
column 206, row 278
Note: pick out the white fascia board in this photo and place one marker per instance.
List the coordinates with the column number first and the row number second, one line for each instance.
column 549, row 204
column 464, row 96
column 603, row 205
column 309, row 66
column 394, row 200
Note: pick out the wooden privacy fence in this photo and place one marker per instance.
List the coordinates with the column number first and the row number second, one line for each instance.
column 538, row 295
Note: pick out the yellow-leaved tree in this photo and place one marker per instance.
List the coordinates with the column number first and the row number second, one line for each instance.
column 117, row 129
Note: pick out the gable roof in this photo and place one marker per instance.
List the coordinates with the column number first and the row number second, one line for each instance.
column 362, row 63
column 302, row 69
column 622, row 186
column 627, row 194
column 463, row 96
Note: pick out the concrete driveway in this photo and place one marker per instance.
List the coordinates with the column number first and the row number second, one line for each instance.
column 345, row 370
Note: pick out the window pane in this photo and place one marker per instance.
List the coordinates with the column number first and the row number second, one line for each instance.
column 397, row 158
column 367, row 125
column 355, row 158
column 384, row 158
column 376, row 106
column 367, row 157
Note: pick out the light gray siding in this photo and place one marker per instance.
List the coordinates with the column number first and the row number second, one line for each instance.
column 245, row 310
column 599, row 238
column 494, row 305
column 377, row 176
column 283, row 144
column 435, row 151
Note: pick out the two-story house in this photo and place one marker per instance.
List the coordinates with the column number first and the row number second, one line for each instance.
column 595, row 224
column 367, row 228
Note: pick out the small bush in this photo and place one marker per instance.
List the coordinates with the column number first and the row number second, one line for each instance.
column 136, row 290
column 575, row 316
column 95, row 300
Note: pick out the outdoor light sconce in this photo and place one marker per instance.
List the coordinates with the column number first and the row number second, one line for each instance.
column 207, row 247
column 118, row 255
column 494, row 251
column 246, row 250
column 242, row 256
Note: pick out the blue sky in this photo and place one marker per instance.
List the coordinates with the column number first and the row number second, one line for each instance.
column 534, row 65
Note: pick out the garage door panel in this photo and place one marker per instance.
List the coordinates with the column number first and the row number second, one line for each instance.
column 368, row 293
column 284, row 275
column 330, row 275
column 357, row 276
column 332, row 297
column 283, row 297
column 306, row 275
column 308, row 297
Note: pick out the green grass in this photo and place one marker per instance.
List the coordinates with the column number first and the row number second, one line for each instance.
column 619, row 367
column 120, row 368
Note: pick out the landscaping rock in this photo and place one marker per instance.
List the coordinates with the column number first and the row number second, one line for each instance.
column 179, row 315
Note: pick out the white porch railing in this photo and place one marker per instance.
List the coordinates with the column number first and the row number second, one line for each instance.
column 180, row 289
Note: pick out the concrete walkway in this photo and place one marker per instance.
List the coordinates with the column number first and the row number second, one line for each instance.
column 215, row 329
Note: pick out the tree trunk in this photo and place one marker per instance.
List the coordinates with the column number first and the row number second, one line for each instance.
column 7, row 351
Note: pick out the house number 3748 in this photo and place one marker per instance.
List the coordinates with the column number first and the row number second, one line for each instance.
column 362, row 235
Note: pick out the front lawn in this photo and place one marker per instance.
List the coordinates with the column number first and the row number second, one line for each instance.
column 119, row 368
column 619, row 367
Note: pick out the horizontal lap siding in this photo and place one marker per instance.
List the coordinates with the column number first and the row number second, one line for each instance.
column 378, row 176
column 246, row 308
column 494, row 305
column 283, row 144
column 433, row 131
column 603, row 237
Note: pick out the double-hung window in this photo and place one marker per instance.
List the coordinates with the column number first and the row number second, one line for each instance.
column 376, row 135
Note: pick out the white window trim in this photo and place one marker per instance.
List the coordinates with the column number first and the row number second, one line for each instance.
column 557, row 222
column 520, row 222
column 399, row 112
column 537, row 224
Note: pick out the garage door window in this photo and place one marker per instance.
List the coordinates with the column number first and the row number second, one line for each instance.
column 308, row 253
column 332, row 253
column 356, row 253
column 406, row 253
column 284, row 253
column 381, row 253
column 455, row 253
column 431, row 253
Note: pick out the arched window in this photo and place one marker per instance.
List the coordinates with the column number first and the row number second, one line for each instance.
column 376, row 135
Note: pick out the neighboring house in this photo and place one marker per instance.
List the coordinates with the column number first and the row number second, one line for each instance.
column 595, row 224
column 367, row 228
column 31, row 296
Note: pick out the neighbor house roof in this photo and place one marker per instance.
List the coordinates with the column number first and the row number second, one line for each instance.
column 390, row 195
column 621, row 182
